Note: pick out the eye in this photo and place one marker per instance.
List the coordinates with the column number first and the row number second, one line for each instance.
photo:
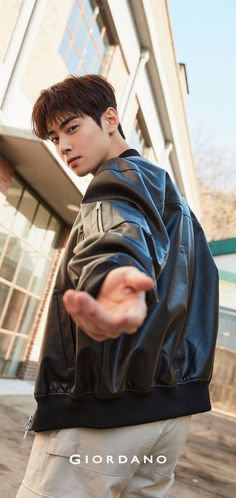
column 72, row 128
column 54, row 140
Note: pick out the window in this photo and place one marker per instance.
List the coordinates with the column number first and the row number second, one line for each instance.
column 85, row 41
column 139, row 139
column 28, row 240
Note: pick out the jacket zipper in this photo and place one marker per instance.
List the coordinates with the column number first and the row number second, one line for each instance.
column 101, row 229
column 81, row 234
column 27, row 426
column 99, row 216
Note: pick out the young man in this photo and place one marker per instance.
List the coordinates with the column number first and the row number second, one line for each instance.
column 128, row 349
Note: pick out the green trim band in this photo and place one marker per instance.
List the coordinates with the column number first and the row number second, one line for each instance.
column 228, row 276
column 224, row 246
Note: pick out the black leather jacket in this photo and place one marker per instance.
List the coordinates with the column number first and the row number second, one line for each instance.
column 132, row 214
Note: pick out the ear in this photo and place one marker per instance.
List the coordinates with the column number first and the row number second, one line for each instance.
column 111, row 119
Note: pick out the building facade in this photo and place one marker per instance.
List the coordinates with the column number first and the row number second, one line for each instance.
column 42, row 41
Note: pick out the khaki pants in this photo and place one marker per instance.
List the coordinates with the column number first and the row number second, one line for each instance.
column 133, row 461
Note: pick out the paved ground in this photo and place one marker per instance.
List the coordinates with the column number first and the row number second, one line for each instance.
column 206, row 468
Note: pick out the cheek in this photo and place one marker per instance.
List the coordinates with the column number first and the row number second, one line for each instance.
column 98, row 141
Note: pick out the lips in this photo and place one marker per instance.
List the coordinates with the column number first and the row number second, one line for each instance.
column 73, row 160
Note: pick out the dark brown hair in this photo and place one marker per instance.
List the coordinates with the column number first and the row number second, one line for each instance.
column 90, row 94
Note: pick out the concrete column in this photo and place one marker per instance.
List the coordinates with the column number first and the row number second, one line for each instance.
column 131, row 90
column 20, row 48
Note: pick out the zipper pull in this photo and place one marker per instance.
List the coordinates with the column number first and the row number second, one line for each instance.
column 27, row 426
column 99, row 216
column 81, row 233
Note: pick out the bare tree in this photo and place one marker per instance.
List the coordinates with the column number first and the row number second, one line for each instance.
column 216, row 172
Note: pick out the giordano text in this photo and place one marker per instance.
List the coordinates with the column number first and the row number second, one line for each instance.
column 121, row 459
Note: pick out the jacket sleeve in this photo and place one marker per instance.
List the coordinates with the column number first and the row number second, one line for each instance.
column 114, row 232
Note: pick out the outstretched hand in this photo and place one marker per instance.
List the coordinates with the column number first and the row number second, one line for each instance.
column 119, row 307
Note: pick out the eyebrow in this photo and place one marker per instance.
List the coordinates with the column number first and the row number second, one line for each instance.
column 63, row 124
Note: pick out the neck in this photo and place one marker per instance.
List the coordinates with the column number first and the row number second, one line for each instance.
column 119, row 145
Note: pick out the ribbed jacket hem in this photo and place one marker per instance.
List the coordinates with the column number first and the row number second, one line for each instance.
column 62, row 411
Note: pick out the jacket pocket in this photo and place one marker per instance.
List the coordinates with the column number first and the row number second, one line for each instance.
column 67, row 331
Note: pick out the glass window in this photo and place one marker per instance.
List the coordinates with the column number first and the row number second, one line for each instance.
column 140, row 140
column 28, row 241
column 17, row 301
column 9, row 208
column 4, row 290
column 29, row 316
column 89, row 55
column 4, row 344
column 86, row 30
column 100, row 25
column 51, row 236
column 38, row 229
column 41, row 273
column 88, row 8
column 10, row 366
column 101, row 47
column 73, row 19
column 64, row 45
column 24, row 215
column 11, row 259
column 3, row 240
column 137, row 140
column 73, row 61
column 95, row 66
column 81, row 35
column 26, row 269
column 96, row 32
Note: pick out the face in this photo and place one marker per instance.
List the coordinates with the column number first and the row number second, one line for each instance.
column 81, row 142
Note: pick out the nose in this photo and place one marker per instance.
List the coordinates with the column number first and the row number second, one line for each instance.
column 64, row 145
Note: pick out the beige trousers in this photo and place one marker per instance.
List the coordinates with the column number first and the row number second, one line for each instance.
column 133, row 461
